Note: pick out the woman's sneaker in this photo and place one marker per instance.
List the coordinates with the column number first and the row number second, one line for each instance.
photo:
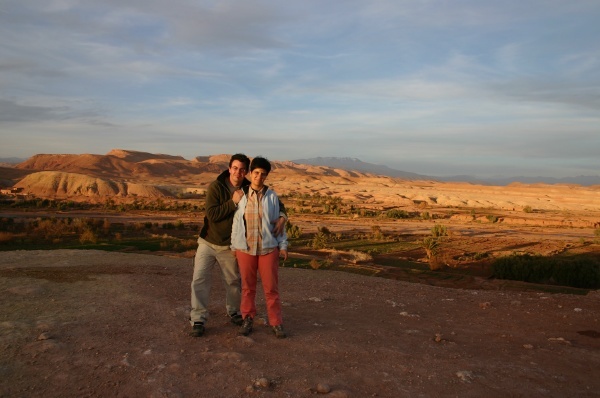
column 279, row 333
column 246, row 327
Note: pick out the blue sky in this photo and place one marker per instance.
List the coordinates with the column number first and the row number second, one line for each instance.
column 485, row 88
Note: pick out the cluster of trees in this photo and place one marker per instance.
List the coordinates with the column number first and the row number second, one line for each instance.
column 109, row 204
column 580, row 272
column 88, row 230
column 321, row 204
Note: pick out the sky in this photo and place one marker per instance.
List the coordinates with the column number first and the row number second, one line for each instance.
column 472, row 87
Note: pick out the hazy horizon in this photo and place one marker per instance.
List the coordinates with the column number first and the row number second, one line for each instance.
column 350, row 163
column 436, row 88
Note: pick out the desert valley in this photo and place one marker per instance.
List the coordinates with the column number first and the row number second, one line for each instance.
column 489, row 221
column 371, row 308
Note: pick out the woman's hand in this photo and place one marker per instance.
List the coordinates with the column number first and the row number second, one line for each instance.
column 284, row 254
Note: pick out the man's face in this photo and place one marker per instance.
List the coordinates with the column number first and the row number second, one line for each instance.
column 237, row 173
column 257, row 178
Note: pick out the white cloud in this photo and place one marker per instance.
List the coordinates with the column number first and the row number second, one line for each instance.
column 512, row 83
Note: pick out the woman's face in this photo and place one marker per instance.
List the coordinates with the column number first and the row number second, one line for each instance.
column 257, row 178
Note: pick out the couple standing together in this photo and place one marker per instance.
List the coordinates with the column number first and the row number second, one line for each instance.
column 244, row 224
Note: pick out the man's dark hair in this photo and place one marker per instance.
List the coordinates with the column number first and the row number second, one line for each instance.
column 242, row 158
column 260, row 163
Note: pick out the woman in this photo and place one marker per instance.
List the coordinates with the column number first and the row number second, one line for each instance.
column 257, row 249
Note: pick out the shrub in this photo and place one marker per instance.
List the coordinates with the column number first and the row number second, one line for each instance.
column 575, row 272
column 352, row 256
column 367, row 213
column 439, row 230
column 432, row 244
column 6, row 223
column 396, row 213
column 324, row 230
column 79, row 224
column 166, row 245
column 527, row 209
column 321, row 238
column 491, row 218
column 88, row 236
column 480, row 255
column 319, row 241
column 189, row 244
column 315, row 264
column 137, row 226
column 376, row 232
column 50, row 228
column 169, row 243
column 292, row 231
column 6, row 237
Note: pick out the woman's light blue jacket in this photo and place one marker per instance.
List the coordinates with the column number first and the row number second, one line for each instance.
column 270, row 204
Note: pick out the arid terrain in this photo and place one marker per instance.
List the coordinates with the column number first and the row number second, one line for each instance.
column 95, row 323
column 90, row 323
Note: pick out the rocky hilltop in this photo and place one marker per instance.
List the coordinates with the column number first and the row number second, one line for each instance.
column 133, row 165
column 55, row 183
column 118, row 164
column 133, row 173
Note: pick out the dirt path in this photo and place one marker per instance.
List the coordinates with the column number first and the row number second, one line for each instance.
column 92, row 323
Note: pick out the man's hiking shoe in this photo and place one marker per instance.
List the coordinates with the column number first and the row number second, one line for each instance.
column 246, row 328
column 236, row 319
column 197, row 329
column 279, row 333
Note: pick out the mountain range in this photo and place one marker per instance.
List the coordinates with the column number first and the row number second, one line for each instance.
column 126, row 175
column 347, row 163
column 64, row 162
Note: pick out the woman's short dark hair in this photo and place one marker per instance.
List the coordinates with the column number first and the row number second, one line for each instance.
column 260, row 163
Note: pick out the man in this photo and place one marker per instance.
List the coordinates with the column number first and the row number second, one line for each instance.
column 222, row 198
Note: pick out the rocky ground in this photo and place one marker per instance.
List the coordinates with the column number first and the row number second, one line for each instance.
column 92, row 323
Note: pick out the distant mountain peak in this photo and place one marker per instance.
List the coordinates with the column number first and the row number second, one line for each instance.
column 138, row 156
column 354, row 164
column 338, row 159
